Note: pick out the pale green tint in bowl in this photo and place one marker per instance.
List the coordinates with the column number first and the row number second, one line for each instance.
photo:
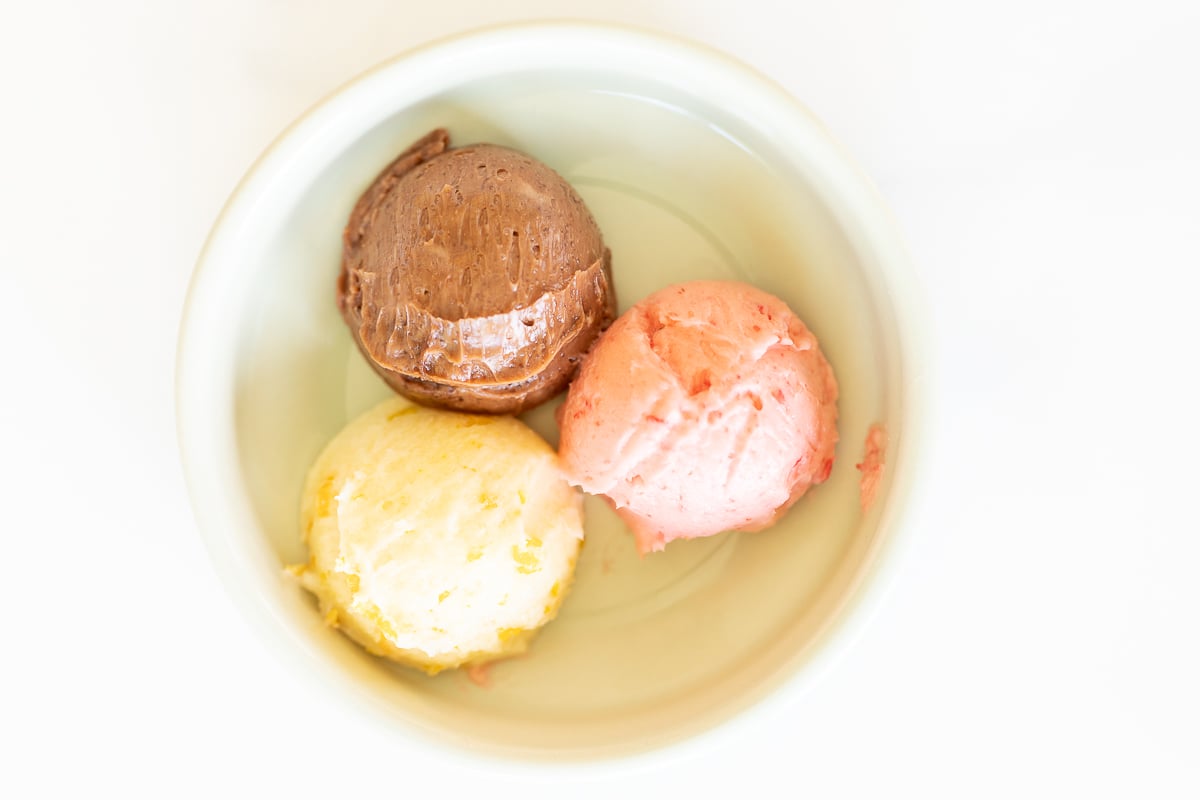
column 689, row 176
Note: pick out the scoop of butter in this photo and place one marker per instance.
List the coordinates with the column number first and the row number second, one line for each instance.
column 438, row 539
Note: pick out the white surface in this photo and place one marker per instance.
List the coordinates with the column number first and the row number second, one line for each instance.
column 1044, row 637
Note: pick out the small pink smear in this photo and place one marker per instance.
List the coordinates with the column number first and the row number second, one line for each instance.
column 480, row 675
column 874, row 458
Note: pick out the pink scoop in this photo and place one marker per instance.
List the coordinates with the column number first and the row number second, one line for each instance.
column 706, row 407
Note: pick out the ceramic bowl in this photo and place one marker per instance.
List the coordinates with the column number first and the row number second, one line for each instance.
column 694, row 167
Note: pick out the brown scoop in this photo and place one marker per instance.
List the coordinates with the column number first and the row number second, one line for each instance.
column 474, row 278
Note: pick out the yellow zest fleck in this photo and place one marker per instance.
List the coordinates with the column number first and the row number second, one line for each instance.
column 488, row 501
column 439, row 630
column 331, row 618
column 352, row 583
column 442, row 597
column 387, row 629
column 475, row 553
column 325, row 496
column 527, row 563
column 521, row 496
column 556, row 588
column 507, row 635
column 385, row 626
column 533, row 541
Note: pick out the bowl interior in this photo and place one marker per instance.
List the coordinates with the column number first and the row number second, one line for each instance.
column 645, row 650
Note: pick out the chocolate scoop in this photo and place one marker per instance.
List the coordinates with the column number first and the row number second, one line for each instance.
column 474, row 278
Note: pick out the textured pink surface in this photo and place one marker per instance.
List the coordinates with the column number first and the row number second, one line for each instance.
column 874, row 460
column 706, row 407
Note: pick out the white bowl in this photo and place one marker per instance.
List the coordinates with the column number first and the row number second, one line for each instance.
column 694, row 167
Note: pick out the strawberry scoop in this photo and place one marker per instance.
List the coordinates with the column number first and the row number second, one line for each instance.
column 706, row 407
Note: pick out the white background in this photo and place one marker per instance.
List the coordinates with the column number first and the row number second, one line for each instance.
column 1042, row 157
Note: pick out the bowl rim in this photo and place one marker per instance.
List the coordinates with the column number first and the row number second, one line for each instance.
column 200, row 433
